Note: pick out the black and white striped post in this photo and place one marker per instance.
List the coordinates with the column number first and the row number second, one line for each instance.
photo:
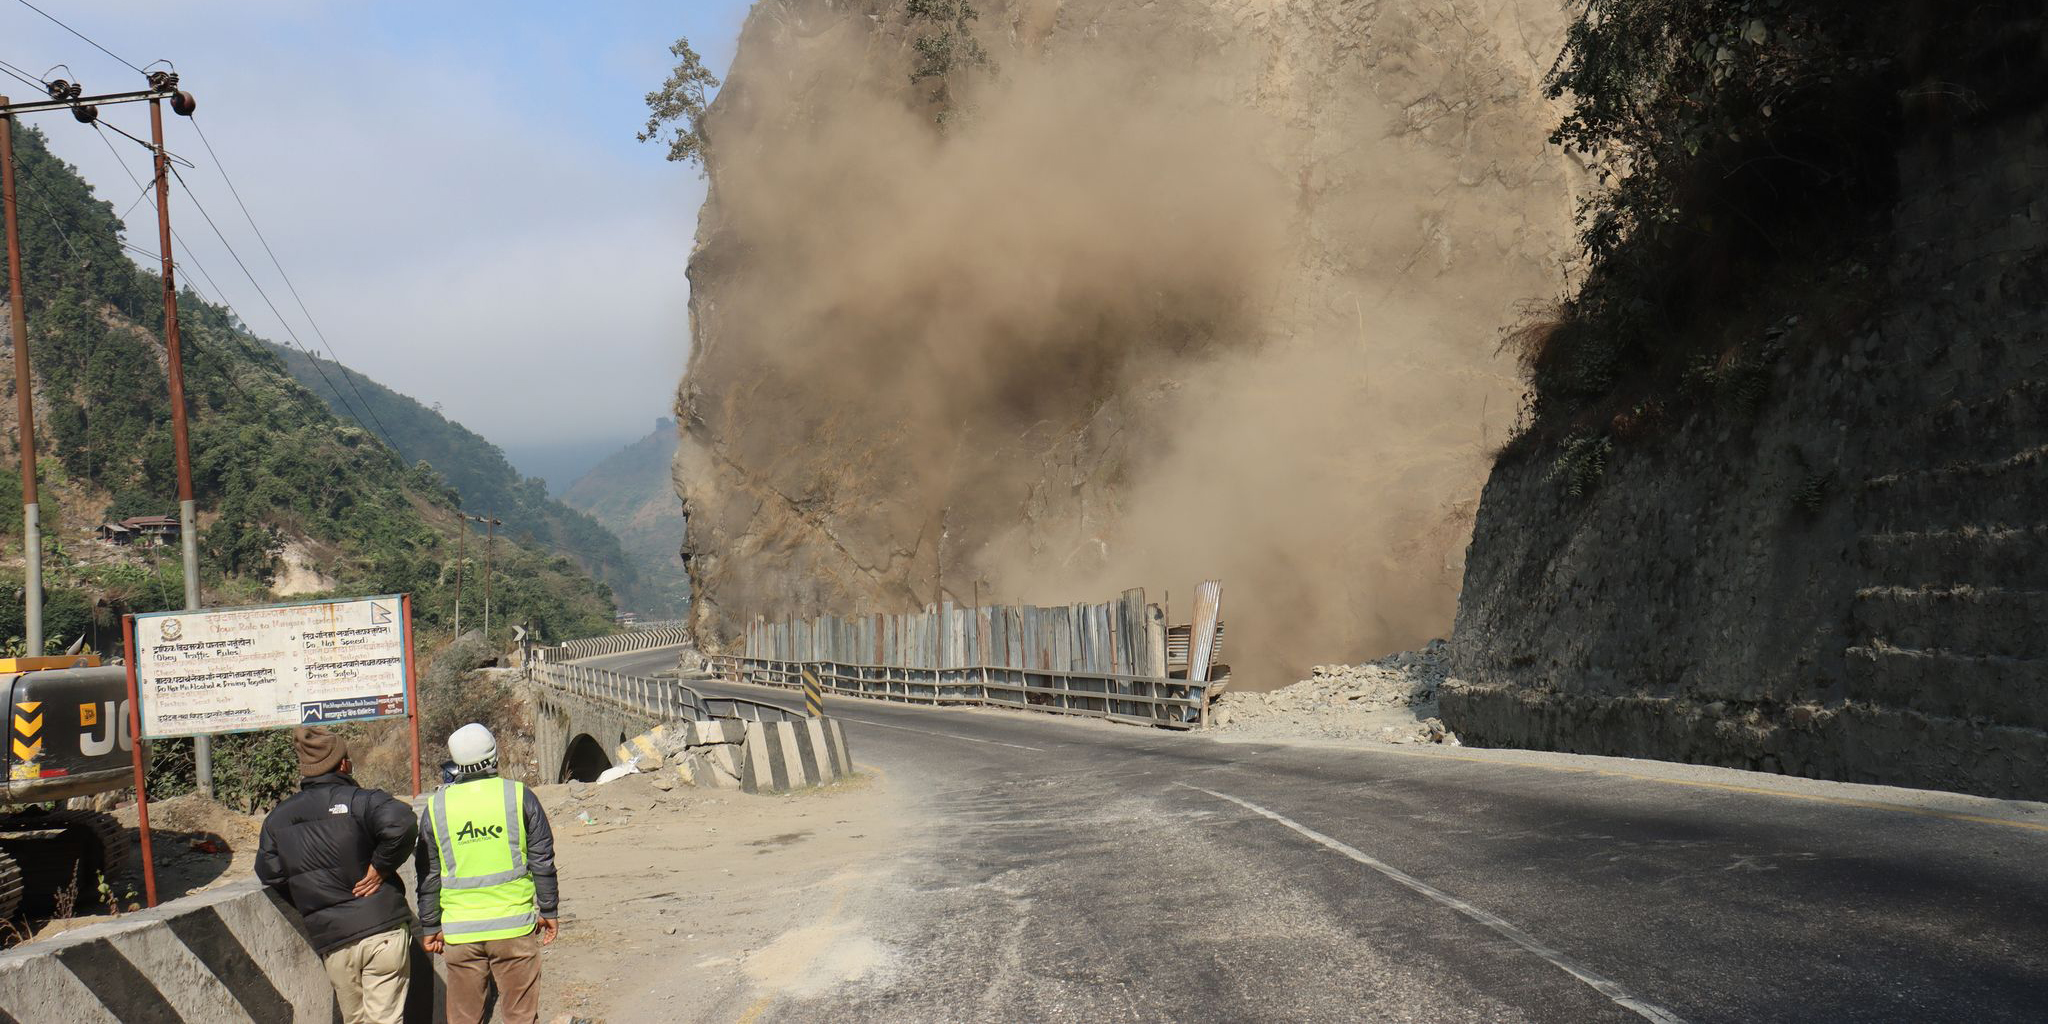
column 814, row 695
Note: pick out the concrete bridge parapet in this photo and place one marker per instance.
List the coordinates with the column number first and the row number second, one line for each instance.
column 586, row 720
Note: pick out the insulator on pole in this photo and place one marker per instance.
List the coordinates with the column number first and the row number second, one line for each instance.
column 85, row 114
column 182, row 104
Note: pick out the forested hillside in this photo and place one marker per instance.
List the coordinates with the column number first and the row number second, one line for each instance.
column 285, row 489
column 633, row 493
column 486, row 481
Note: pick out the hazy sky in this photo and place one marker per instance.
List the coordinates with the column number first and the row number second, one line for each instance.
column 454, row 187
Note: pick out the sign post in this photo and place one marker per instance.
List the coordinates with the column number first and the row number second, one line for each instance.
column 226, row 670
column 141, row 773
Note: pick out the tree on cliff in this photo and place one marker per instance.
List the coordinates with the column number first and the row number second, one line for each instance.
column 946, row 48
column 676, row 110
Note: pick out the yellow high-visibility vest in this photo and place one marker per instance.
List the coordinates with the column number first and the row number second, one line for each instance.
column 480, row 834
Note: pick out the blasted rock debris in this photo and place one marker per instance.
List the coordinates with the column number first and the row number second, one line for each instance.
column 1392, row 700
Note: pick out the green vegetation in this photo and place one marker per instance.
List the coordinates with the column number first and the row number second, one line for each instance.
column 945, row 45
column 272, row 466
column 675, row 111
column 1733, row 136
column 482, row 479
column 633, row 494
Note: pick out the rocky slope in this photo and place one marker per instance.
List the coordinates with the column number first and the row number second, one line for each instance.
column 1391, row 700
column 1843, row 578
column 1165, row 290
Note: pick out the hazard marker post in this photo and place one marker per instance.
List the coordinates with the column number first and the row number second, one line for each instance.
column 814, row 695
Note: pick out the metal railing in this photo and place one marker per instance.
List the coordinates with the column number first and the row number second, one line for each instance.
column 634, row 640
column 1136, row 700
column 662, row 699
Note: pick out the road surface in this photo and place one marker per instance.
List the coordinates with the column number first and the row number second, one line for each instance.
column 1063, row 870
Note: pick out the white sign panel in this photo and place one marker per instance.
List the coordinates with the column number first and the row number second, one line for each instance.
column 238, row 669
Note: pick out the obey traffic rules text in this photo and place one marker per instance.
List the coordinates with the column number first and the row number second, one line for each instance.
column 239, row 669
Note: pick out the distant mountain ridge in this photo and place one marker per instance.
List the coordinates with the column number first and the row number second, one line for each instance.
column 293, row 501
column 633, row 493
column 478, row 470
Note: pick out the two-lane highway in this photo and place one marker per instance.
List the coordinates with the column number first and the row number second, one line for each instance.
column 1063, row 870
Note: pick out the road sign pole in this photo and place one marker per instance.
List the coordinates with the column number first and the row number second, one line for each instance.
column 412, row 691
column 138, row 748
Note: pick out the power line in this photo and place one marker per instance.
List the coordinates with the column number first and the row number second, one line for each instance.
column 265, row 296
column 79, row 34
column 23, row 75
column 308, row 314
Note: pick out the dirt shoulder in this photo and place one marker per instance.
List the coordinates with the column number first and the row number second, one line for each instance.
column 699, row 904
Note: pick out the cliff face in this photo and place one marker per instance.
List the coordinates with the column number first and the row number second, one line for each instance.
column 1166, row 290
column 1849, row 582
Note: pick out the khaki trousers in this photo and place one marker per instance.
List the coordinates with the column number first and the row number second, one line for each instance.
column 515, row 965
column 370, row 977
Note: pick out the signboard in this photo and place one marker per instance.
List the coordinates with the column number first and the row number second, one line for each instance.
column 238, row 669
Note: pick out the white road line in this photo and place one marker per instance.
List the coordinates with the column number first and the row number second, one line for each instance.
column 1605, row 986
column 928, row 732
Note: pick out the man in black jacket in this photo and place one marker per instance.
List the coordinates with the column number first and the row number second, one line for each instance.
column 332, row 851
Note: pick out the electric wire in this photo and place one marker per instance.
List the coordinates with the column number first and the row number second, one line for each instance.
column 24, row 76
column 279, row 267
column 81, row 35
column 265, row 296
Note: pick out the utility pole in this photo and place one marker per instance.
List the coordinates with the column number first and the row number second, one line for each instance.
column 491, row 524
column 461, row 545
column 174, row 362
column 24, row 397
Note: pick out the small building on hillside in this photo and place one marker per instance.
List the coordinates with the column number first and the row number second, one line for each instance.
column 142, row 531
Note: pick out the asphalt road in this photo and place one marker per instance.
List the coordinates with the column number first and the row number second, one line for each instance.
column 1062, row 870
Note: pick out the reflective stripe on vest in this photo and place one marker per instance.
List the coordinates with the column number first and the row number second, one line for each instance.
column 515, row 840
column 479, row 831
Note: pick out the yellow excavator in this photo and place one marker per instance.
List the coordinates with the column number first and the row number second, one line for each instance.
column 68, row 736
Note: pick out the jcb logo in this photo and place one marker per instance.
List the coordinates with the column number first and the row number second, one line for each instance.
column 113, row 723
column 472, row 830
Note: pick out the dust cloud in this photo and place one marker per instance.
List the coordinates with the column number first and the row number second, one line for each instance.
column 1115, row 324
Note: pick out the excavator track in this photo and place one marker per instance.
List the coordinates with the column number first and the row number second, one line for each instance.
column 10, row 886
column 55, row 851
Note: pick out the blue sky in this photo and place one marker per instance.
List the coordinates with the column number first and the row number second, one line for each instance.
column 454, row 187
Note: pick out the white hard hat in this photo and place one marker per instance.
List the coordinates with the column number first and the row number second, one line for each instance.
column 472, row 745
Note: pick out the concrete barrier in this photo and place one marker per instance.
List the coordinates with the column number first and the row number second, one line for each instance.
column 756, row 757
column 233, row 954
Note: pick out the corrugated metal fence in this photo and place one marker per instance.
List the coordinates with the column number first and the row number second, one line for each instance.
column 1104, row 660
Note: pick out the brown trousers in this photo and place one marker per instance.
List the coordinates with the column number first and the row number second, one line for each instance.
column 513, row 963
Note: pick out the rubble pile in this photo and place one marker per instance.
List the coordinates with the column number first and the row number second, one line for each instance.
column 1393, row 700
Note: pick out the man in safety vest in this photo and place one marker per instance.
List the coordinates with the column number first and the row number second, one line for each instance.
column 486, row 866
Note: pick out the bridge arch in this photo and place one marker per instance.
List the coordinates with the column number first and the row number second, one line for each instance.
column 585, row 760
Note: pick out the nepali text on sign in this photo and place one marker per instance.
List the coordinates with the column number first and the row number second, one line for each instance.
column 237, row 669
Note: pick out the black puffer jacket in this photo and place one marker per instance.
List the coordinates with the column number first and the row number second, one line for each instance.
column 316, row 846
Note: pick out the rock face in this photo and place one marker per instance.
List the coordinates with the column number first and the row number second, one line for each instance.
column 1169, row 290
column 1852, row 583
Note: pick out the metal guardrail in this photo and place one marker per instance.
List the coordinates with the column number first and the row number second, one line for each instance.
column 1136, row 700
column 664, row 699
column 638, row 639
